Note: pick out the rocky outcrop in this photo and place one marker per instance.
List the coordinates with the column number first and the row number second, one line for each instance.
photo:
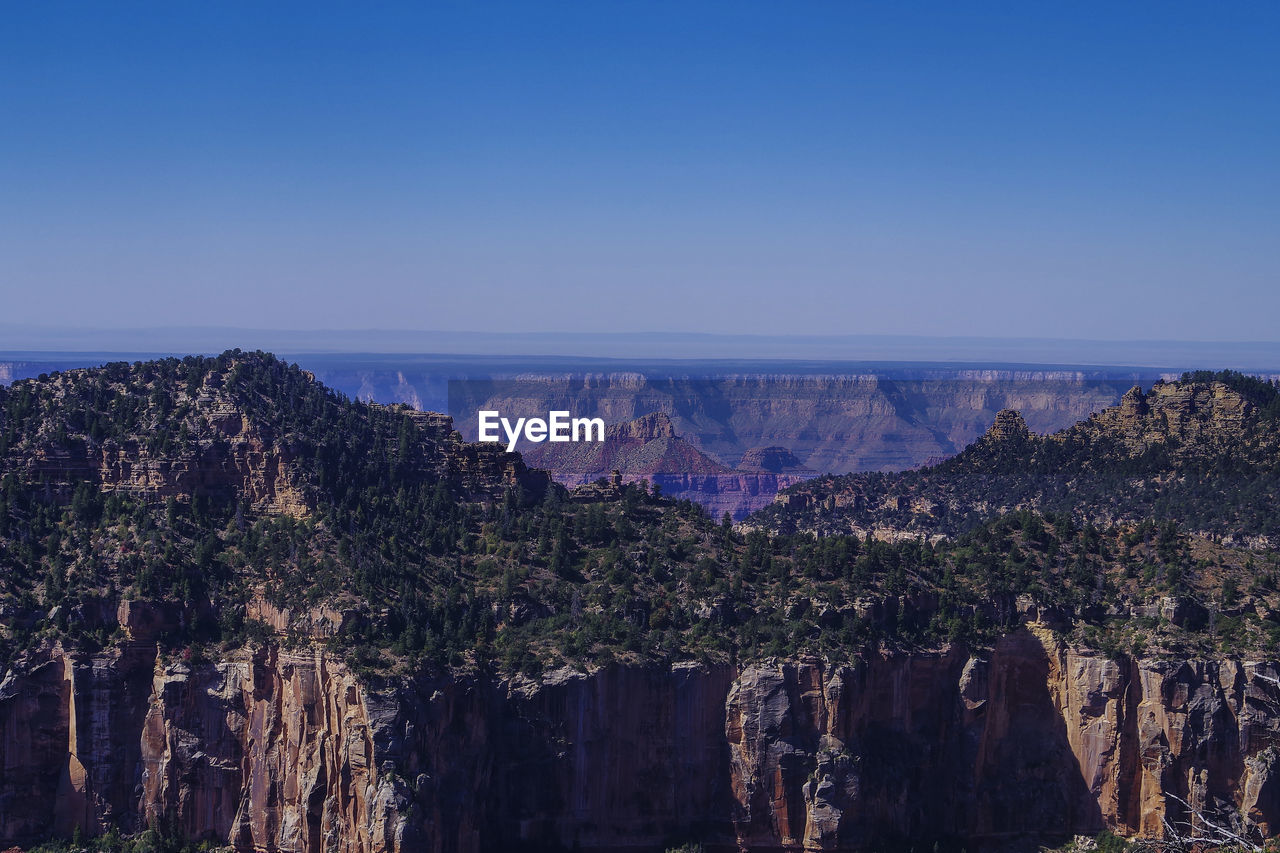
column 234, row 457
column 638, row 448
column 1189, row 419
column 276, row 750
column 216, row 449
column 737, row 493
column 1128, row 463
column 903, row 749
column 774, row 460
column 1179, row 411
column 477, row 470
column 272, row 752
column 1008, row 426
column 648, row 448
column 1037, row 740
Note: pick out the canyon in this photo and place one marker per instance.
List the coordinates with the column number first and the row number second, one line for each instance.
column 836, row 417
column 869, row 420
column 249, row 611
column 866, row 418
column 695, row 436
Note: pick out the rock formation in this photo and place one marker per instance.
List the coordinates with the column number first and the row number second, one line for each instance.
column 292, row 751
column 638, row 448
column 775, row 460
column 1008, row 426
column 648, row 448
column 225, row 451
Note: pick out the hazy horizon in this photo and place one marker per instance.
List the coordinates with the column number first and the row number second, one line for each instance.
column 17, row 340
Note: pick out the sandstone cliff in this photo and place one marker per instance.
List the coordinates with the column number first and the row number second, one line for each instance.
column 638, row 448
column 275, row 750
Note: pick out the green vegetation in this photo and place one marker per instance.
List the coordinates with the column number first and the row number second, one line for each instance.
column 400, row 560
column 156, row 839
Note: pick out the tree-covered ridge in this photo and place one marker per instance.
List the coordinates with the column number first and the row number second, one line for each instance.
column 1261, row 393
column 384, row 490
column 155, row 400
column 402, row 562
column 1203, row 452
column 198, row 410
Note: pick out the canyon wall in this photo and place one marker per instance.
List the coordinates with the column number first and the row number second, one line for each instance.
column 838, row 423
column 290, row 750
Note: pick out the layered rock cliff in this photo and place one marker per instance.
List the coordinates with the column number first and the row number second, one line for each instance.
column 738, row 493
column 638, row 448
column 277, row 750
column 885, row 420
column 1033, row 740
column 269, row 750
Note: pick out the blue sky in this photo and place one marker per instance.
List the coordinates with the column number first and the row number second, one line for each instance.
column 1071, row 170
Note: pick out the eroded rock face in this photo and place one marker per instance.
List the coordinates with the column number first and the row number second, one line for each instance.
column 900, row 749
column 1149, row 734
column 271, row 751
column 772, row 459
column 1035, row 741
column 1175, row 411
column 833, row 424
column 738, row 494
column 222, row 452
column 277, row 750
column 234, row 457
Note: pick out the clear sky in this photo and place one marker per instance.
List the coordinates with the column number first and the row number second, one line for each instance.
column 1065, row 169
